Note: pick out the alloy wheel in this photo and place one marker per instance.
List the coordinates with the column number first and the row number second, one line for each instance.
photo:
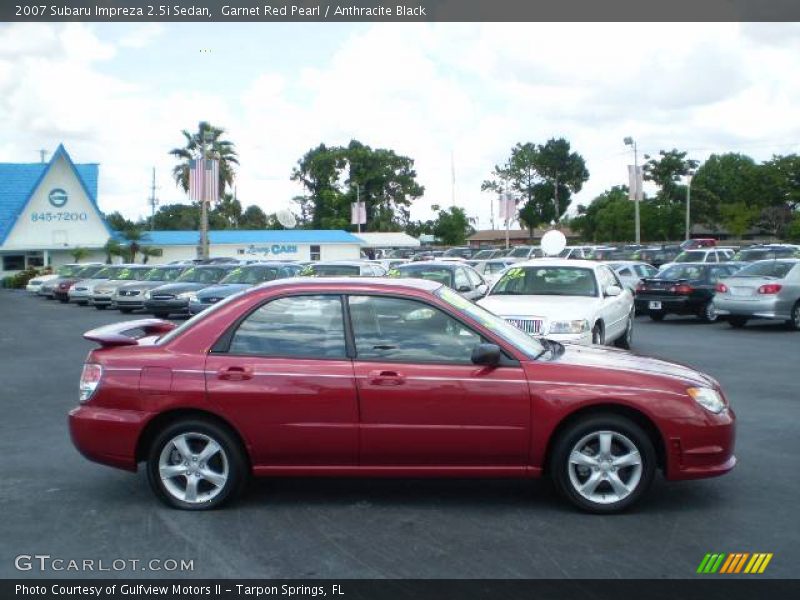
column 193, row 468
column 605, row 467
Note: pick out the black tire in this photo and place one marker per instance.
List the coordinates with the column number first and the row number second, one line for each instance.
column 126, row 310
column 737, row 322
column 561, row 471
column 794, row 323
column 100, row 306
column 708, row 314
column 63, row 300
column 231, row 454
column 598, row 335
column 657, row 315
column 626, row 340
column 83, row 303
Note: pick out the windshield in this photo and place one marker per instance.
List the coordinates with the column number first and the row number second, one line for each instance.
column 162, row 274
column 521, row 252
column 693, row 272
column 251, row 275
column 204, row 275
column 129, row 274
column 546, row 281
column 68, row 270
column 767, row 268
column 107, row 273
column 483, row 254
column 332, row 271
column 691, row 256
column 456, row 252
column 500, row 327
column 88, row 272
column 494, row 267
column 431, row 273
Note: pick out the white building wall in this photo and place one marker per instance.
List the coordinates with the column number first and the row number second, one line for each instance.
column 44, row 226
column 261, row 251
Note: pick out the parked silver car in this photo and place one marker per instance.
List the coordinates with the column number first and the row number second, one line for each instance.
column 766, row 289
column 130, row 296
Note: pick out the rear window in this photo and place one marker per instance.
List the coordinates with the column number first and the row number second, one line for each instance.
column 691, row 256
column 692, row 272
column 431, row 273
column 332, row 271
column 767, row 268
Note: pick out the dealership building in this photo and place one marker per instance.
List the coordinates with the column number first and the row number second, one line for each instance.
column 48, row 209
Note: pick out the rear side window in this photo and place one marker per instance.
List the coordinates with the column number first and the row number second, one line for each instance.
column 296, row 327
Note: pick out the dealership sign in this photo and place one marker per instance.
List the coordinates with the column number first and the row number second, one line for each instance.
column 274, row 249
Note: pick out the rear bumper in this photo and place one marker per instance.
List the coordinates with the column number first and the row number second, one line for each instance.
column 703, row 449
column 762, row 308
column 107, row 436
column 681, row 305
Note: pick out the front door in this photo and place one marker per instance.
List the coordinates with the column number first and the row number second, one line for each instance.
column 286, row 382
column 422, row 401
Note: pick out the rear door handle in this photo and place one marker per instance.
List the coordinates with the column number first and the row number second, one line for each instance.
column 386, row 378
column 235, row 373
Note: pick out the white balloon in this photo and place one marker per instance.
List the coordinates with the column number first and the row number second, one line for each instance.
column 553, row 242
column 286, row 218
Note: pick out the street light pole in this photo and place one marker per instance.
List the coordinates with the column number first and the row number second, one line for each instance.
column 688, row 204
column 205, row 135
column 629, row 141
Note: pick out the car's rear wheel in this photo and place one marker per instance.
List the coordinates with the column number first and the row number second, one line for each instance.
column 126, row 310
column 626, row 339
column 737, row 322
column 794, row 322
column 657, row 315
column 603, row 463
column 708, row 313
column 100, row 306
column 63, row 300
column 196, row 465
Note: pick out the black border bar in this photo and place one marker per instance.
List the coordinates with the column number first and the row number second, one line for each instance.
column 401, row 10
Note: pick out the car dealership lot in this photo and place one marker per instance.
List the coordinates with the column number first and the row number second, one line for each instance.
column 57, row 503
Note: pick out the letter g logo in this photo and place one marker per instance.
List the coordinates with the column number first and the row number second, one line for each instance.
column 23, row 562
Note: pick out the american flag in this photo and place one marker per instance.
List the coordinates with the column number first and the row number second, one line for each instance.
column 204, row 180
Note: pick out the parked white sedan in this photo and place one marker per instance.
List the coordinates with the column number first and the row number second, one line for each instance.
column 577, row 301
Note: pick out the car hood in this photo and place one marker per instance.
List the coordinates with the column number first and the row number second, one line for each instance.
column 179, row 288
column 551, row 307
column 621, row 360
column 224, row 290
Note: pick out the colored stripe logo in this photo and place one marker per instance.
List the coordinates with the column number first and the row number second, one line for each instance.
column 736, row 562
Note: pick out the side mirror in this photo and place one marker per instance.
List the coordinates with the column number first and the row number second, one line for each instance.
column 463, row 288
column 486, row 354
column 482, row 289
column 613, row 290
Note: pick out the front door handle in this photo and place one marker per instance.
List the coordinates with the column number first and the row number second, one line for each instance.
column 386, row 378
column 235, row 373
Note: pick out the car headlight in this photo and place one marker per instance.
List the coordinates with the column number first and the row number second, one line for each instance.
column 576, row 326
column 190, row 296
column 147, row 295
column 708, row 399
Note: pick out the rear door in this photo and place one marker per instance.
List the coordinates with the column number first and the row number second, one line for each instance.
column 422, row 401
column 283, row 378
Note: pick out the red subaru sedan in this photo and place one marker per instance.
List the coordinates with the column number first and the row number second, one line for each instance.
column 398, row 378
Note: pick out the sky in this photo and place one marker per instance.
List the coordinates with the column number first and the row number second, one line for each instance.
column 441, row 93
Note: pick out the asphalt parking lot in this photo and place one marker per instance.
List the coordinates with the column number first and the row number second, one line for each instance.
column 55, row 502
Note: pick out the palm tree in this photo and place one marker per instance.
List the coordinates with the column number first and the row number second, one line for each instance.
column 222, row 150
column 147, row 252
column 113, row 248
column 133, row 236
column 78, row 253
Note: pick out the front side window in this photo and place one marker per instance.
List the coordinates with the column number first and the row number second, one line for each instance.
column 295, row 327
column 461, row 280
column 546, row 281
column 403, row 330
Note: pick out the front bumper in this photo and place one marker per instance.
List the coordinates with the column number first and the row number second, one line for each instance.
column 101, row 300
column 176, row 305
column 81, row 296
column 33, row 288
column 702, row 448
column 132, row 302
column 762, row 308
column 107, row 436
column 584, row 339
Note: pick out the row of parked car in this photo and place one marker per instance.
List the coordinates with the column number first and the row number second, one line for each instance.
column 568, row 300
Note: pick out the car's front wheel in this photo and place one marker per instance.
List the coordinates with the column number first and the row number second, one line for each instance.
column 794, row 322
column 709, row 312
column 603, row 463
column 737, row 322
column 626, row 340
column 196, row 465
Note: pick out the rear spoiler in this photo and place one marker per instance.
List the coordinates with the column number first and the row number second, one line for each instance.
column 114, row 334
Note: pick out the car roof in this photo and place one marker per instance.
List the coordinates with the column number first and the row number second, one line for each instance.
column 445, row 264
column 351, row 283
column 559, row 262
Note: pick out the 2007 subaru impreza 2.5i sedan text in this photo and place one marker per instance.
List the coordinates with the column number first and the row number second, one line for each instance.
column 379, row 377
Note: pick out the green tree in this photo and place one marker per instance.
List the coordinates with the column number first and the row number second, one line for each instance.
column 113, row 248
column 793, row 230
column 180, row 217
column 117, row 222
column 253, row 218
column 739, row 217
column 79, row 253
column 134, row 236
column 453, row 226
column 318, row 172
column 667, row 171
column 609, row 217
column 216, row 147
column 226, row 214
column 726, row 179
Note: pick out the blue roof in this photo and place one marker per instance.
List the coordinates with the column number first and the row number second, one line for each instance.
column 252, row 236
column 18, row 182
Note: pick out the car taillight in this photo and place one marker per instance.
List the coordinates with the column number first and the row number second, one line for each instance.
column 722, row 288
column 682, row 289
column 770, row 288
column 90, row 380
column 640, row 287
